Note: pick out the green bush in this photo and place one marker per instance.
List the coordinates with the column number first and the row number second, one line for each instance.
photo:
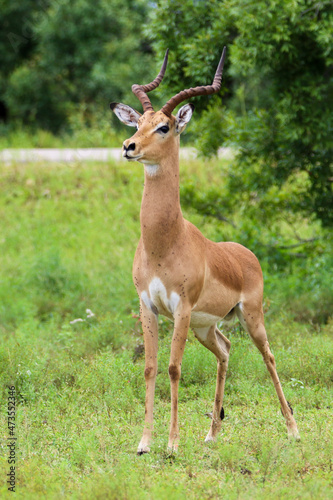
column 80, row 53
column 276, row 86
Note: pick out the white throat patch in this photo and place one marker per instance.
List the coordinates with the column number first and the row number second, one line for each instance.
column 151, row 169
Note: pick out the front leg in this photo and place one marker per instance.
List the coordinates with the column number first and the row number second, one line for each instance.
column 150, row 333
column 182, row 323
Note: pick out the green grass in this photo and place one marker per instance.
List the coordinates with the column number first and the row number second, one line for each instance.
column 97, row 134
column 67, row 242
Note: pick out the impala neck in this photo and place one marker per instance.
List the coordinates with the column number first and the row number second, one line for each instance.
column 161, row 215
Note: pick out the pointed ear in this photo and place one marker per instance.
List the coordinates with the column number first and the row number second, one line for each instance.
column 183, row 117
column 125, row 113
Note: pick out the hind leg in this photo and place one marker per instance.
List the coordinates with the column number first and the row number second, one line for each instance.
column 252, row 319
column 219, row 345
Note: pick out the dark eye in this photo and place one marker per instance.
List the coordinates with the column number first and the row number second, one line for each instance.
column 163, row 129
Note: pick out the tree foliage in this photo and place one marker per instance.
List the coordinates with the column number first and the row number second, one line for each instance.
column 278, row 88
column 75, row 52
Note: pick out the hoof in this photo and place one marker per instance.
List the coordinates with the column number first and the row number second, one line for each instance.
column 142, row 450
column 172, row 449
column 294, row 435
column 210, row 439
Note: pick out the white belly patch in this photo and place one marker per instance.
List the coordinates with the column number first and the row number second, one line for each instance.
column 201, row 319
column 157, row 299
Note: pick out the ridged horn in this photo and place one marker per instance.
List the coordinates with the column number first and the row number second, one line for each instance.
column 197, row 91
column 141, row 90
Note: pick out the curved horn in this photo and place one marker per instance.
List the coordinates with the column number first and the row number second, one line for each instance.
column 141, row 90
column 196, row 91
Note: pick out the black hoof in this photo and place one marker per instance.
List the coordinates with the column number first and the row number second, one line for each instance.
column 139, row 453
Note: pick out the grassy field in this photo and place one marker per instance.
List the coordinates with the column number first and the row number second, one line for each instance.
column 68, row 236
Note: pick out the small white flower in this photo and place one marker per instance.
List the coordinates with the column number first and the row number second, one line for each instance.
column 28, row 373
column 78, row 320
column 90, row 314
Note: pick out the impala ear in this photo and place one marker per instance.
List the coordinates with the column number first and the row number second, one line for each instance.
column 183, row 117
column 125, row 113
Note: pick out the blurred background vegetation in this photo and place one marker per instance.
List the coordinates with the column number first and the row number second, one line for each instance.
column 69, row 232
column 63, row 61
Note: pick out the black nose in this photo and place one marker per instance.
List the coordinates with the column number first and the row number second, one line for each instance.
column 131, row 147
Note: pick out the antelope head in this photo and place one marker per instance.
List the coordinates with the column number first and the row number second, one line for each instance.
column 158, row 132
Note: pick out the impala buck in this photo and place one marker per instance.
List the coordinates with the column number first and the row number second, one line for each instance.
column 177, row 271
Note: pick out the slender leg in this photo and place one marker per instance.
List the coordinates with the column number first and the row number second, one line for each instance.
column 219, row 345
column 182, row 323
column 254, row 324
column 150, row 333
